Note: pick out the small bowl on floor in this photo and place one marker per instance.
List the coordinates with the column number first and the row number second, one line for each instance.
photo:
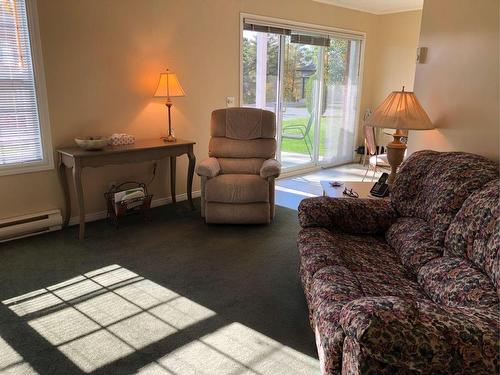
column 92, row 143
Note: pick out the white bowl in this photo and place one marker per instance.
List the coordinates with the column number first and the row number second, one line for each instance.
column 92, row 143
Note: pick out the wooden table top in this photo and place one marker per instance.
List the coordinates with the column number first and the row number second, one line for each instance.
column 140, row 145
column 362, row 188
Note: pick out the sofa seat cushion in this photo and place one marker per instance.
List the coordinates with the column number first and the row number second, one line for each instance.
column 455, row 282
column 474, row 233
column 237, row 188
column 412, row 239
column 360, row 265
column 335, row 286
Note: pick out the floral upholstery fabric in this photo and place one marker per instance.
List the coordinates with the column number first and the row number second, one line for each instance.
column 433, row 186
column 419, row 335
column 455, row 282
column 349, row 215
column 412, row 239
column 474, row 233
column 387, row 294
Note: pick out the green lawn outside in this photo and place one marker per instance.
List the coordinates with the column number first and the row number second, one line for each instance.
column 298, row 146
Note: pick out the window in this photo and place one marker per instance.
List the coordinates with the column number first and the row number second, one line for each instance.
column 310, row 76
column 24, row 133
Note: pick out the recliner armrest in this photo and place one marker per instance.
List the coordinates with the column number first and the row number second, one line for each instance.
column 208, row 168
column 270, row 168
column 349, row 215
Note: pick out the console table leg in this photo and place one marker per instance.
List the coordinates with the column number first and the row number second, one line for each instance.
column 192, row 162
column 77, row 179
column 65, row 188
column 173, row 161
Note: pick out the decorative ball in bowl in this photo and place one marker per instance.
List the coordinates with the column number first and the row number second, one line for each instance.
column 92, row 143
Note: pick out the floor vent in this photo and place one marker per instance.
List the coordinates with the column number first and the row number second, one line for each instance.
column 30, row 225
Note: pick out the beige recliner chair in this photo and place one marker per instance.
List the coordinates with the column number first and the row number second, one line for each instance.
column 237, row 180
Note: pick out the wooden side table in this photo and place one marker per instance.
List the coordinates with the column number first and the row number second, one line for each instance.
column 362, row 188
column 77, row 159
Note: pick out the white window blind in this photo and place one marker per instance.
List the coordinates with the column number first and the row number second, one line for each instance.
column 20, row 133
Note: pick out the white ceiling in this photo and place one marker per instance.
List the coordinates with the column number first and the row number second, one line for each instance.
column 377, row 6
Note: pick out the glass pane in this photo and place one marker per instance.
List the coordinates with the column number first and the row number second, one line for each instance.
column 339, row 107
column 260, row 58
column 300, row 99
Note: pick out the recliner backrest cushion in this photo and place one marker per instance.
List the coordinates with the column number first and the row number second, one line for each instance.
column 474, row 233
column 242, row 133
column 433, row 185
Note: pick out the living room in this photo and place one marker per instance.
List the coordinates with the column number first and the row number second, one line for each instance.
column 228, row 122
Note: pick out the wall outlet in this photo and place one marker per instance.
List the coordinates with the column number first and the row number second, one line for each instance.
column 230, row 101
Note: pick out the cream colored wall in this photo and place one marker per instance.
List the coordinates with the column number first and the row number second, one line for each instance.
column 397, row 41
column 459, row 84
column 102, row 61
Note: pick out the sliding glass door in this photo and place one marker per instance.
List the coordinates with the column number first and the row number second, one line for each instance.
column 311, row 82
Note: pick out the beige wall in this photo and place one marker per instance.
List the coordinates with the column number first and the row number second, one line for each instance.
column 397, row 41
column 459, row 84
column 102, row 61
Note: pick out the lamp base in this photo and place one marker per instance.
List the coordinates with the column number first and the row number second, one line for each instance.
column 169, row 138
column 395, row 154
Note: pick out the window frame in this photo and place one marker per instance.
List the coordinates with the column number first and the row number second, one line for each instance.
column 306, row 27
column 47, row 162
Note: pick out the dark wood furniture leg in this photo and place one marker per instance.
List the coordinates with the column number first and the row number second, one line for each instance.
column 64, row 184
column 192, row 163
column 173, row 160
column 77, row 179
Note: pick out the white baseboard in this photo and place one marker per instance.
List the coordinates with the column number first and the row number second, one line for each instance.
column 93, row 216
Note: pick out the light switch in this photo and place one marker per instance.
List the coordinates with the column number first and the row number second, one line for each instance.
column 230, row 101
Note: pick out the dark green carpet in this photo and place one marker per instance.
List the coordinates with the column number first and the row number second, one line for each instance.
column 244, row 274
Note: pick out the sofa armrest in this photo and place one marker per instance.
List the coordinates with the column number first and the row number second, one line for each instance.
column 350, row 215
column 208, row 168
column 418, row 335
column 270, row 168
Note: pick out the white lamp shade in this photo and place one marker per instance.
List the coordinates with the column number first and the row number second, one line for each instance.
column 400, row 110
column 168, row 86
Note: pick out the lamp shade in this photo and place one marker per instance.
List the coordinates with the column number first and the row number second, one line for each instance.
column 400, row 110
column 168, row 86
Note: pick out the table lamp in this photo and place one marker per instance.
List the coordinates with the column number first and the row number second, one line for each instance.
column 401, row 111
column 168, row 87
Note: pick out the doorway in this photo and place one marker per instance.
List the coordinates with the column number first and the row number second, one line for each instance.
column 310, row 80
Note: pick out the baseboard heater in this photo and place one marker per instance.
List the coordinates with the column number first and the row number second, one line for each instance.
column 30, row 225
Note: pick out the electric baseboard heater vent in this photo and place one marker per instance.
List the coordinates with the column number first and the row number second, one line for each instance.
column 30, row 225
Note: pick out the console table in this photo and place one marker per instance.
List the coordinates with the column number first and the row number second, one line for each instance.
column 141, row 151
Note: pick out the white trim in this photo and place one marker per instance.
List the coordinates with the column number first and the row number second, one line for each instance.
column 302, row 26
column 94, row 216
column 359, row 9
column 330, row 31
column 41, row 97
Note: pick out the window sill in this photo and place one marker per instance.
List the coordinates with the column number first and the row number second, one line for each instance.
column 26, row 168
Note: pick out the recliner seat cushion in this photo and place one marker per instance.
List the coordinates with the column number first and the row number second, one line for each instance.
column 433, row 186
column 237, row 188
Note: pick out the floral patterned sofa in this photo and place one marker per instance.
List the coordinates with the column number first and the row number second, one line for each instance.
column 410, row 285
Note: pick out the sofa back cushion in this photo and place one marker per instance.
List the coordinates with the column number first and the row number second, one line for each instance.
column 433, row 186
column 474, row 233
